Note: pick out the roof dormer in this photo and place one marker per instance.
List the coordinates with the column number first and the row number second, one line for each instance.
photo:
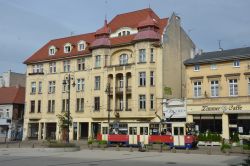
column 124, row 31
column 67, row 48
column 81, row 45
column 52, row 50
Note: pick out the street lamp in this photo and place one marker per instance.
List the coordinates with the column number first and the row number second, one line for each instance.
column 67, row 82
column 108, row 97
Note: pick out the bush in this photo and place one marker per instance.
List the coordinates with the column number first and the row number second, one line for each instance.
column 103, row 142
column 61, row 145
column 235, row 137
column 246, row 146
column 215, row 137
column 225, row 146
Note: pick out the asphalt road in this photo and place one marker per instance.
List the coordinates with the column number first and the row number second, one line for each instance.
column 42, row 157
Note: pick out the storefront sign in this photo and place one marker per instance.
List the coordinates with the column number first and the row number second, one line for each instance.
column 221, row 108
column 175, row 112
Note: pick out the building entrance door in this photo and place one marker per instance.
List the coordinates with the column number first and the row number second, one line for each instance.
column 84, row 130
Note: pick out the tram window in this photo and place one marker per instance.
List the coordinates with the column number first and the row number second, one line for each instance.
column 181, row 131
column 143, row 130
column 104, row 130
column 132, row 131
column 175, row 130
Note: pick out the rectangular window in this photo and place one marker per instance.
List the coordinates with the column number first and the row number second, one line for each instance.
column 214, row 88
column 196, row 67
column 51, row 106
column 80, row 85
column 142, row 78
column 66, row 66
column 98, row 61
column 65, row 103
column 142, row 101
column 152, row 79
column 152, row 102
column 33, row 87
column 197, row 89
column 152, row 55
column 142, row 55
column 80, row 104
column 40, row 87
column 38, row 68
column 213, row 66
column 97, row 103
column 52, row 67
column 52, row 86
column 97, row 82
column 233, row 87
column 236, row 63
column 81, row 64
column 248, row 86
column 39, row 106
column 32, row 106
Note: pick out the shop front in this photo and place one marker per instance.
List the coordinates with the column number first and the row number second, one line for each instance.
column 222, row 119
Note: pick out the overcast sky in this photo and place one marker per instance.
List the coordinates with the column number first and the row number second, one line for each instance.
column 26, row 25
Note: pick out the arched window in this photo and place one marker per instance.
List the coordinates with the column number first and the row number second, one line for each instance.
column 67, row 48
column 123, row 59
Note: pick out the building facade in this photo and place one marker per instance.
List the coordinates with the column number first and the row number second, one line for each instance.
column 10, row 79
column 218, row 89
column 11, row 113
column 119, row 73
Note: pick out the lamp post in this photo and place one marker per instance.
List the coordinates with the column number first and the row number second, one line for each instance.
column 67, row 82
column 108, row 97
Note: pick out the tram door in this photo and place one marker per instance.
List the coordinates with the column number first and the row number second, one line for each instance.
column 105, row 133
column 133, row 135
column 144, row 135
column 178, row 134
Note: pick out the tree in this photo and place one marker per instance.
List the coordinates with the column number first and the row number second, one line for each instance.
column 63, row 124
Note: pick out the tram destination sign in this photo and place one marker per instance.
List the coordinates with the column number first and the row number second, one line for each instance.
column 222, row 108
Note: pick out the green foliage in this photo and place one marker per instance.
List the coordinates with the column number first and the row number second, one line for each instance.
column 63, row 120
column 103, row 142
column 246, row 146
column 235, row 137
column 90, row 141
column 211, row 137
column 225, row 146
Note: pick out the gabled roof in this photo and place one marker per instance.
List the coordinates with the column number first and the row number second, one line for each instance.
column 131, row 19
column 12, row 95
column 220, row 56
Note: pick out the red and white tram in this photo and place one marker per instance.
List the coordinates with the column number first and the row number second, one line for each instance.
column 174, row 134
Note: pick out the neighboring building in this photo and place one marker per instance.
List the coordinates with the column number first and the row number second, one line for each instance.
column 136, row 53
column 11, row 112
column 218, row 91
column 174, row 110
column 9, row 79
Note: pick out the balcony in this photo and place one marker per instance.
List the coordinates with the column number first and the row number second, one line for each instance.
column 128, row 89
column 38, row 73
column 119, row 90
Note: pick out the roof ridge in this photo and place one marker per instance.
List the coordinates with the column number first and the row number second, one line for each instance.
column 134, row 11
column 226, row 50
column 90, row 33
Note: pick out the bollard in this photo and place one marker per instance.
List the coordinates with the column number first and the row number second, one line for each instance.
column 131, row 149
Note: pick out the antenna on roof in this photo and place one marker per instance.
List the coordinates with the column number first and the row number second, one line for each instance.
column 149, row 5
column 106, row 6
column 220, row 48
column 71, row 33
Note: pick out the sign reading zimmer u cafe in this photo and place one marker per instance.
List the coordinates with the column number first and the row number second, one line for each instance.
column 222, row 108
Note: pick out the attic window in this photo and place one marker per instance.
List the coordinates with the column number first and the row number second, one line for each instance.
column 81, row 46
column 52, row 50
column 67, row 48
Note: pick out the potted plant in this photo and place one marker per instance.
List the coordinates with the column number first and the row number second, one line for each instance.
column 103, row 144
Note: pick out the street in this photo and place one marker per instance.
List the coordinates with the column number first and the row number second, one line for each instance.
column 43, row 157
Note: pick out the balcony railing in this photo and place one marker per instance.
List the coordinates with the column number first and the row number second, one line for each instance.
column 128, row 89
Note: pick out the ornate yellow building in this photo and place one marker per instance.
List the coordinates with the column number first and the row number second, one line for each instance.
column 218, row 89
column 125, row 65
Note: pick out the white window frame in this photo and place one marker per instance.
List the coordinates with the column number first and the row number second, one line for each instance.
column 152, row 78
column 214, row 88
column 33, row 87
column 214, row 66
column 197, row 67
column 142, row 55
column 123, row 59
column 152, row 55
column 81, row 45
column 81, row 64
column 52, row 87
column 98, row 61
column 142, row 78
column 52, row 67
column 197, row 89
column 236, row 63
column 233, row 87
column 52, row 50
column 40, row 86
column 66, row 66
column 80, row 104
column 248, row 86
column 152, row 106
column 67, row 48
column 97, row 82
column 51, row 106
column 142, row 102
column 80, row 84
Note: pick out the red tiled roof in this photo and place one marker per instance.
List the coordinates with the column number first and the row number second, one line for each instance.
column 131, row 19
column 12, row 95
column 149, row 21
